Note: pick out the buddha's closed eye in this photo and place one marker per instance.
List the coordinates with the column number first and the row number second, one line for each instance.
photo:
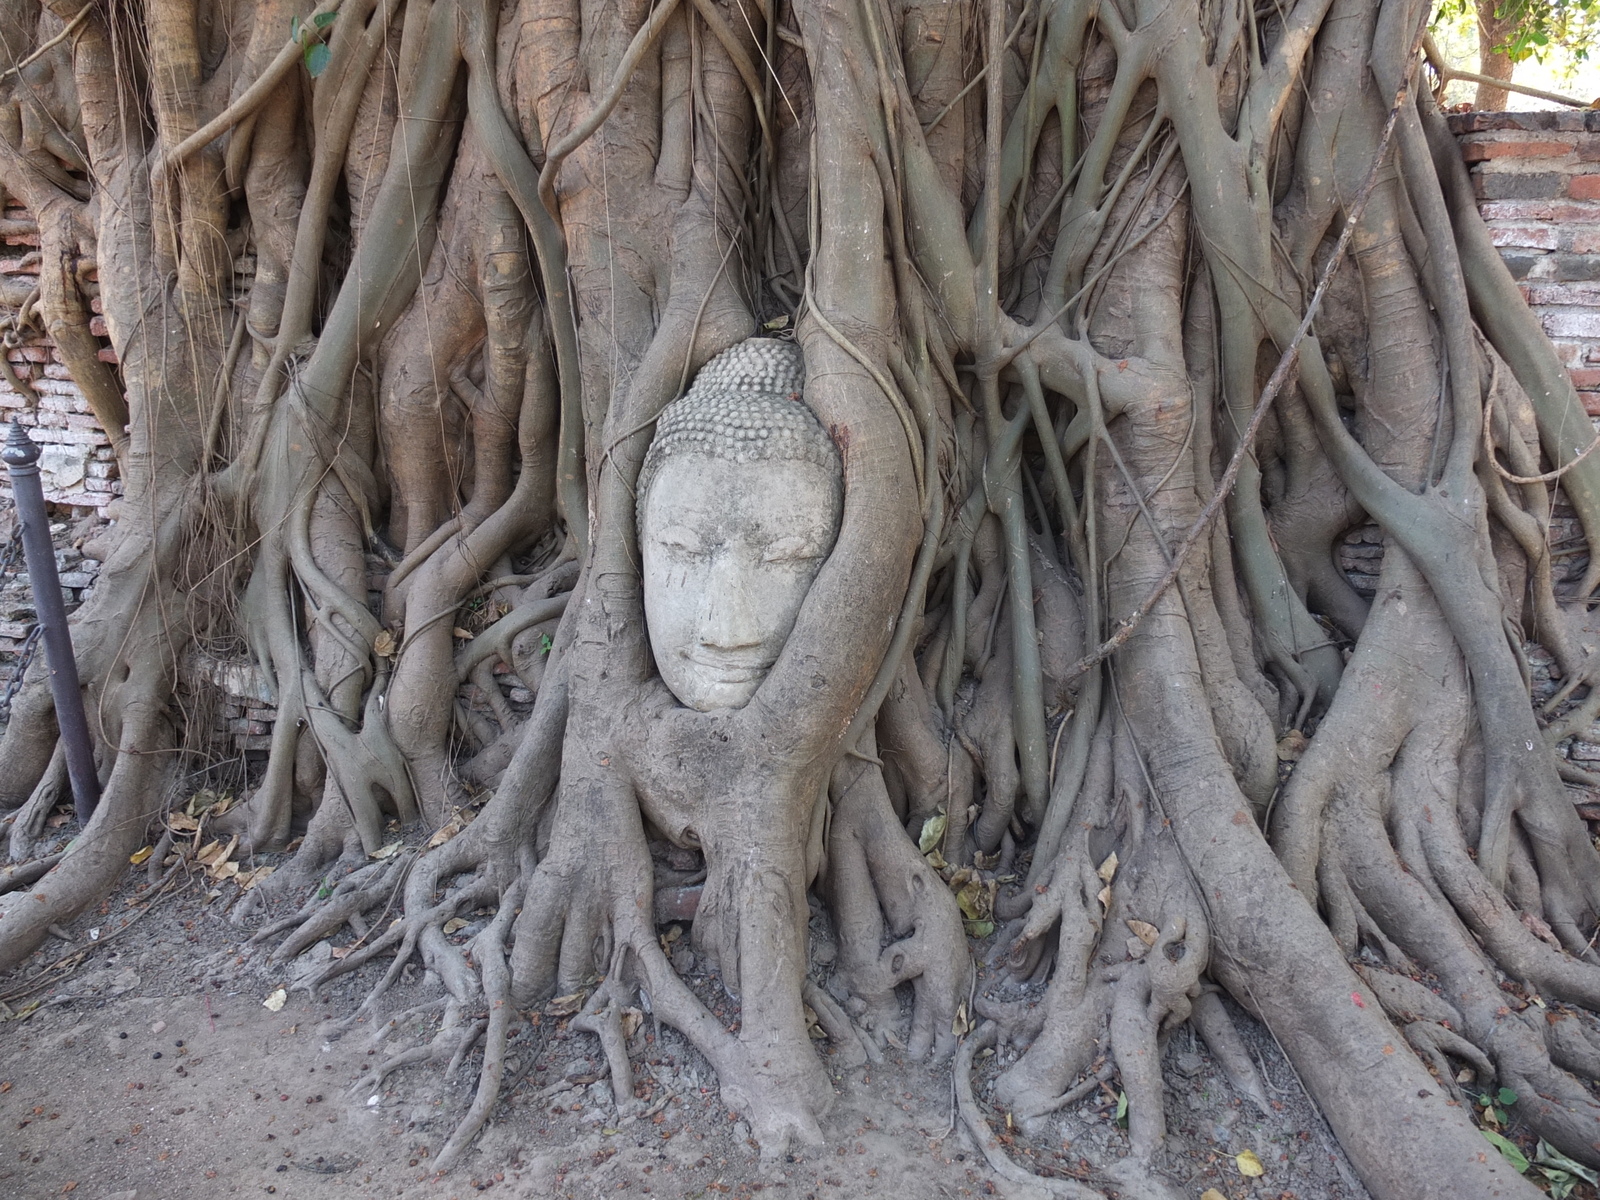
column 792, row 550
column 682, row 538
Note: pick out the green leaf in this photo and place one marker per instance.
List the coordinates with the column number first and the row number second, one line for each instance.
column 1505, row 1097
column 317, row 59
column 932, row 831
column 323, row 20
column 1547, row 1155
column 294, row 29
column 1561, row 1183
column 979, row 929
column 1122, row 1109
column 1508, row 1150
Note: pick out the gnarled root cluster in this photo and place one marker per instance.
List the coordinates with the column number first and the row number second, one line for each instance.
column 1080, row 670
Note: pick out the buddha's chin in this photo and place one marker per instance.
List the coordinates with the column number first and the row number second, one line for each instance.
column 706, row 689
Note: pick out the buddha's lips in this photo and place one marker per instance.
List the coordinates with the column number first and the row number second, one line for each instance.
column 731, row 670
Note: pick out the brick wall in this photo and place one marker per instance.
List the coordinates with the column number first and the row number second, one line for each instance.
column 1537, row 177
column 77, row 466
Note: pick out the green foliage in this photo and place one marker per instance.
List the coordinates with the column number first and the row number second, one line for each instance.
column 1562, row 1173
column 1540, row 26
column 314, row 52
column 1508, row 1150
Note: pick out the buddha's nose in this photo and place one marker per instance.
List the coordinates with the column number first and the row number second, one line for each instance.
column 729, row 617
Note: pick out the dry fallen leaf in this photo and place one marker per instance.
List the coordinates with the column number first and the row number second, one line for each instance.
column 1146, row 932
column 462, row 633
column 1292, row 745
column 138, row 856
column 383, row 644
column 458, row 821
column 632, row 1018
column 388, row 851
column 276, row 1000
column 1212, row 1194
column 180, row 822
column 565, row 1006
column 1249, row 1164
column 215, row 854
column 454, row 923
column 248, row 879
column 1108, row 869
column 1105, row 898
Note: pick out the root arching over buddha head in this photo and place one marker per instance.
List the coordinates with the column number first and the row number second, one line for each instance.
column 740, row 499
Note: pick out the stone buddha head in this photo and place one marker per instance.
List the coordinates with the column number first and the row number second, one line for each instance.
column 740, row 498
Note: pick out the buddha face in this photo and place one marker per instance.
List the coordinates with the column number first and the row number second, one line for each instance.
column 730, row 550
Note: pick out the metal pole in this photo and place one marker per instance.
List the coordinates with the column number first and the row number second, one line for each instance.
column 21, row 457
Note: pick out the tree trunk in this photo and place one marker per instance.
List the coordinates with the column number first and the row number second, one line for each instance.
column 1100, row 324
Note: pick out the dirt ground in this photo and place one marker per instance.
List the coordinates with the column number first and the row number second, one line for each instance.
column 150, row 1069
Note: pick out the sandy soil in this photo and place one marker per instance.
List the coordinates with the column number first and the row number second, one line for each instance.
column 151, row 1070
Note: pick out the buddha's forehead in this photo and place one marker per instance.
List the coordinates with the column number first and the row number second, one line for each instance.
column 708, row 492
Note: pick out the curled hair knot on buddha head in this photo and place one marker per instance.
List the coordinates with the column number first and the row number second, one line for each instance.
column 744, row 406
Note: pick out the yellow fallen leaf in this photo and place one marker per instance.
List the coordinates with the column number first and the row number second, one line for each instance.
column 453, row 924
column 1212, row 1194
column 1108, row 869
column 1249, row 1164
column 224, row 870
column 1104, row 897
column 276, row 1000
column 388, row 851
column 138, row 856
column 1145, row 932
column 180, row 822
column 462, row 633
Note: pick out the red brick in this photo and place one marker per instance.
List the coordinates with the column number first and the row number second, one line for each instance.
column 97, row 326
column 107, row 355
column 1501, row 148
column 1533, row 236
column 1583, row 240
column 1591, row 403
column 1586, row 377
column 1584, row 187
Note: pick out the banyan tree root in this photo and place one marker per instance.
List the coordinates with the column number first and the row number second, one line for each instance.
column 1028, row 265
